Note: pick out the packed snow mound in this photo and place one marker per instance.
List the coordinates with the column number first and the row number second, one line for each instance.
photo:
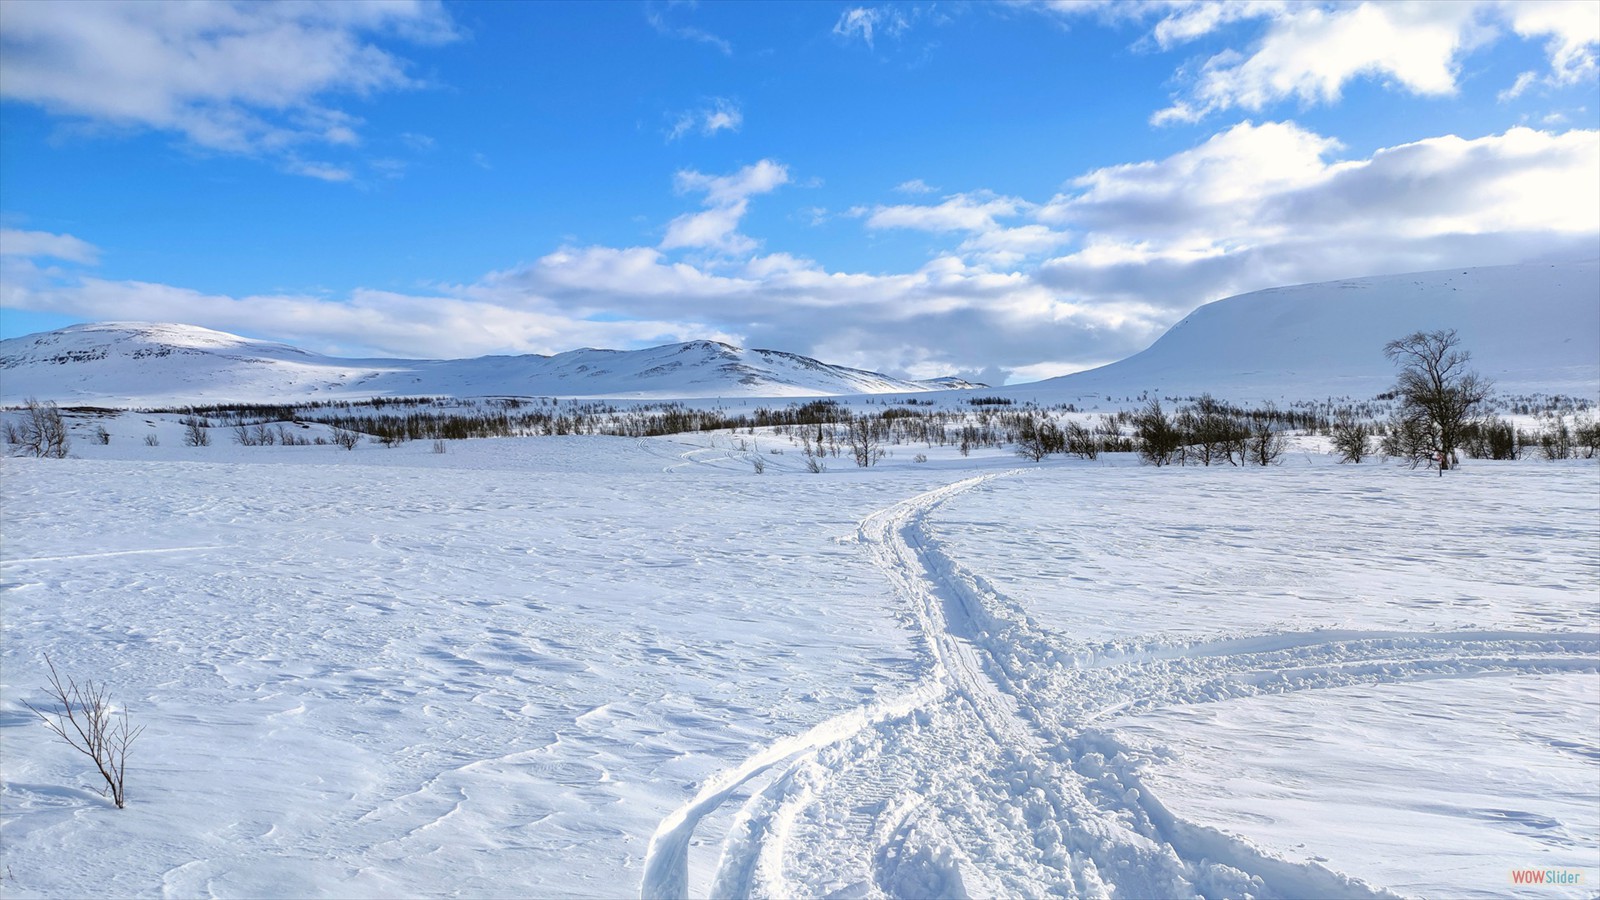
column 122, row 364
column 1532, row 328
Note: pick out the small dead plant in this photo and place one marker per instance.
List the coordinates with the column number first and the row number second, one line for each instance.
column 85, row 719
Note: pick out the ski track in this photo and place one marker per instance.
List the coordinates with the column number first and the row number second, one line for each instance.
column 995, row 751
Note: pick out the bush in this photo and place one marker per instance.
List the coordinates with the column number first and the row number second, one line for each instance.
column 1157, row 438
column 1352, row 440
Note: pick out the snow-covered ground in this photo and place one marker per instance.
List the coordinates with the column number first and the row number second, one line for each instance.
column 607, row 667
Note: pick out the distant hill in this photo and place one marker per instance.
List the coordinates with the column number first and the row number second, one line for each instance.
column 1530, row 328
column 130, row 364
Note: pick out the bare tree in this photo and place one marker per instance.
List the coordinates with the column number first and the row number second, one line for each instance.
column 42, row 431
column 1081, row 441
column 1037, row 439
column 1436, row 389
column 346, row 438
column 1407, row 437
column 1210, row 432
column 1263, row 444
column 85, row 719
column 1352, row 440
column 195, row 433
column 866, row 441
column 1586, row 434
column 1158, row 439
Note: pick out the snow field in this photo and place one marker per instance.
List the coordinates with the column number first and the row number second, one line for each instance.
column 492, row 672
column 1365, row 668
column 589, row 666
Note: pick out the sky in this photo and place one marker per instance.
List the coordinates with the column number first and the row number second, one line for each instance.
column 1001, row 191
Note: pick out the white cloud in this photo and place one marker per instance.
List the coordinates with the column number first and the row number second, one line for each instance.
column 864, row 22
column 1257, row 206
column 65, row 247
column 727, row 198
column 228, row 76
column 719, row 115
column 686, row 32
column 1307, row 52
column 978, row 214
column 915, row 186
column 1310, row 53
column 1132, row 249
column 1189, row 21
column 975, row 211
column 1572, row 30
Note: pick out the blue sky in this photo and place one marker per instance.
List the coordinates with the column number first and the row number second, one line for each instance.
column 1000, row 190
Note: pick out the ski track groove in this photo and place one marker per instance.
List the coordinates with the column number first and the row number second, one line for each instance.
column 995, row 748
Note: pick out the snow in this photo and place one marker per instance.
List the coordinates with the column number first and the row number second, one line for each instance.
column 487, row 676
column 598, row 667
column 586, row 666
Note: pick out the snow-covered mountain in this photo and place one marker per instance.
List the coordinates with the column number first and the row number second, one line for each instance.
column 122, row 363
column 1530, row 328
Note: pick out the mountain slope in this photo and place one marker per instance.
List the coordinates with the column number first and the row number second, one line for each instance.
column 1530, row 328
column 137, row 363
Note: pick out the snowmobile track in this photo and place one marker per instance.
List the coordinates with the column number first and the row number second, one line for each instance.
column 994, row 752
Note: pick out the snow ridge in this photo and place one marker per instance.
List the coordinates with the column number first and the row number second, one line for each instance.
column 999, row 747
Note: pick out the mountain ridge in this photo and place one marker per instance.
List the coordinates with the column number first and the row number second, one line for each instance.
column 1531, row 328
column 138, row 363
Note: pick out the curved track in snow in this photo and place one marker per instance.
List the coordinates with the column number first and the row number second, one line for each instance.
column 989, row 778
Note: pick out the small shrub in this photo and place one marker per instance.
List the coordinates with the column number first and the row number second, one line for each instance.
column 150, row 440
column 84, row 718
column 439, row 445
